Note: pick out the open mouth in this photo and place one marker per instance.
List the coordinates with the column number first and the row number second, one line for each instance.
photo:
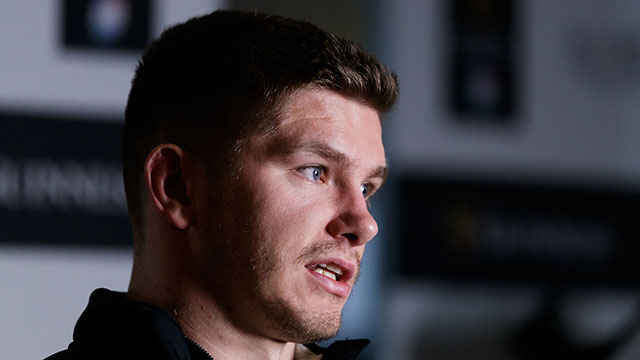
column 333, row 275
column 331, row 271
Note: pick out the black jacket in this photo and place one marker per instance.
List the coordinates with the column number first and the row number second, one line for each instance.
column 114, row 327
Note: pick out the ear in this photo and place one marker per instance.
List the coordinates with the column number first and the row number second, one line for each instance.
column 165, row 174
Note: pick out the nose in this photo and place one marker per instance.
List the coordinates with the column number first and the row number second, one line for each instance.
column 353, row 221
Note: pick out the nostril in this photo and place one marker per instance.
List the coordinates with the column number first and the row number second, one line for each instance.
column 351, row 236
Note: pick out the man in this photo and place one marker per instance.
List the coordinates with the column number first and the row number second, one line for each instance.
column 252, row 144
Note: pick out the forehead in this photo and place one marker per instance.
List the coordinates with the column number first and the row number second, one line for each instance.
column 345, row 124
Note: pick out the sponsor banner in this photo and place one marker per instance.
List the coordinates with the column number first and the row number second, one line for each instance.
column 523, row 233
column 61, row 181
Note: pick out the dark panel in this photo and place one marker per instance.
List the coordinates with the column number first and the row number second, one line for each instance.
column 523, row 233
column 106, row 24
column 342, row 17
column 481, row 59
column 60, row 181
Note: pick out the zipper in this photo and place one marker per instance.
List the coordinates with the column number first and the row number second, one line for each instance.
column 190, row 341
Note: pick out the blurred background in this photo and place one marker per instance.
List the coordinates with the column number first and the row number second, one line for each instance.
column 509, row 226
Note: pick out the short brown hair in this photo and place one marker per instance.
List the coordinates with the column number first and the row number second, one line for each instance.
column 218, row 78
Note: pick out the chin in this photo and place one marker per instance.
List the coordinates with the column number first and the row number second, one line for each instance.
column 303, row 327
column 308, row 335
column 327, row 329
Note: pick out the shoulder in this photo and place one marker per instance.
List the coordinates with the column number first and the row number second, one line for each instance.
column 63, row 355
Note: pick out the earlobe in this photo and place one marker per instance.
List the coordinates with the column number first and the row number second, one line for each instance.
column 165, row 170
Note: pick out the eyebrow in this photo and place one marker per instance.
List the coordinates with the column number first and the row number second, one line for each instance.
column 289, row 146
column 380, row 172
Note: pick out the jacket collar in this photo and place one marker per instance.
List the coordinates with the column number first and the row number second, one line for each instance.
column 340, row 349
column 113, row 321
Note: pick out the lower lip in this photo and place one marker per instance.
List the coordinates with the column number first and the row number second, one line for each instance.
column 339, row 288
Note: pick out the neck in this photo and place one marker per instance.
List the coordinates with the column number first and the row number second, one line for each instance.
column 200, row 316
column 209, row 326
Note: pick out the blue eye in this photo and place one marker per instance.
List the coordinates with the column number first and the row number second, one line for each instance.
column 313, row 173
column 364, row 188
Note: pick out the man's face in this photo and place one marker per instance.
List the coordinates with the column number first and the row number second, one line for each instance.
column 286, row 240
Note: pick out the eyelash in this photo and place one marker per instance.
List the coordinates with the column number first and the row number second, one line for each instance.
column 322, row 172
column 370, row 189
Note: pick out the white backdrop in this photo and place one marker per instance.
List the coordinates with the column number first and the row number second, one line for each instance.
column 577, row 81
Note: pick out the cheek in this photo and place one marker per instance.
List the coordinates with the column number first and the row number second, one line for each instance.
column 287, row 224
column 292, row 209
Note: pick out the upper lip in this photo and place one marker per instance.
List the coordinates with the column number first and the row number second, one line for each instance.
column 348, row 268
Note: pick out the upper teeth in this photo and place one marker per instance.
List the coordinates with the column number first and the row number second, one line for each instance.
column 331, row 274
column 333, row 268
column 325, row 273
